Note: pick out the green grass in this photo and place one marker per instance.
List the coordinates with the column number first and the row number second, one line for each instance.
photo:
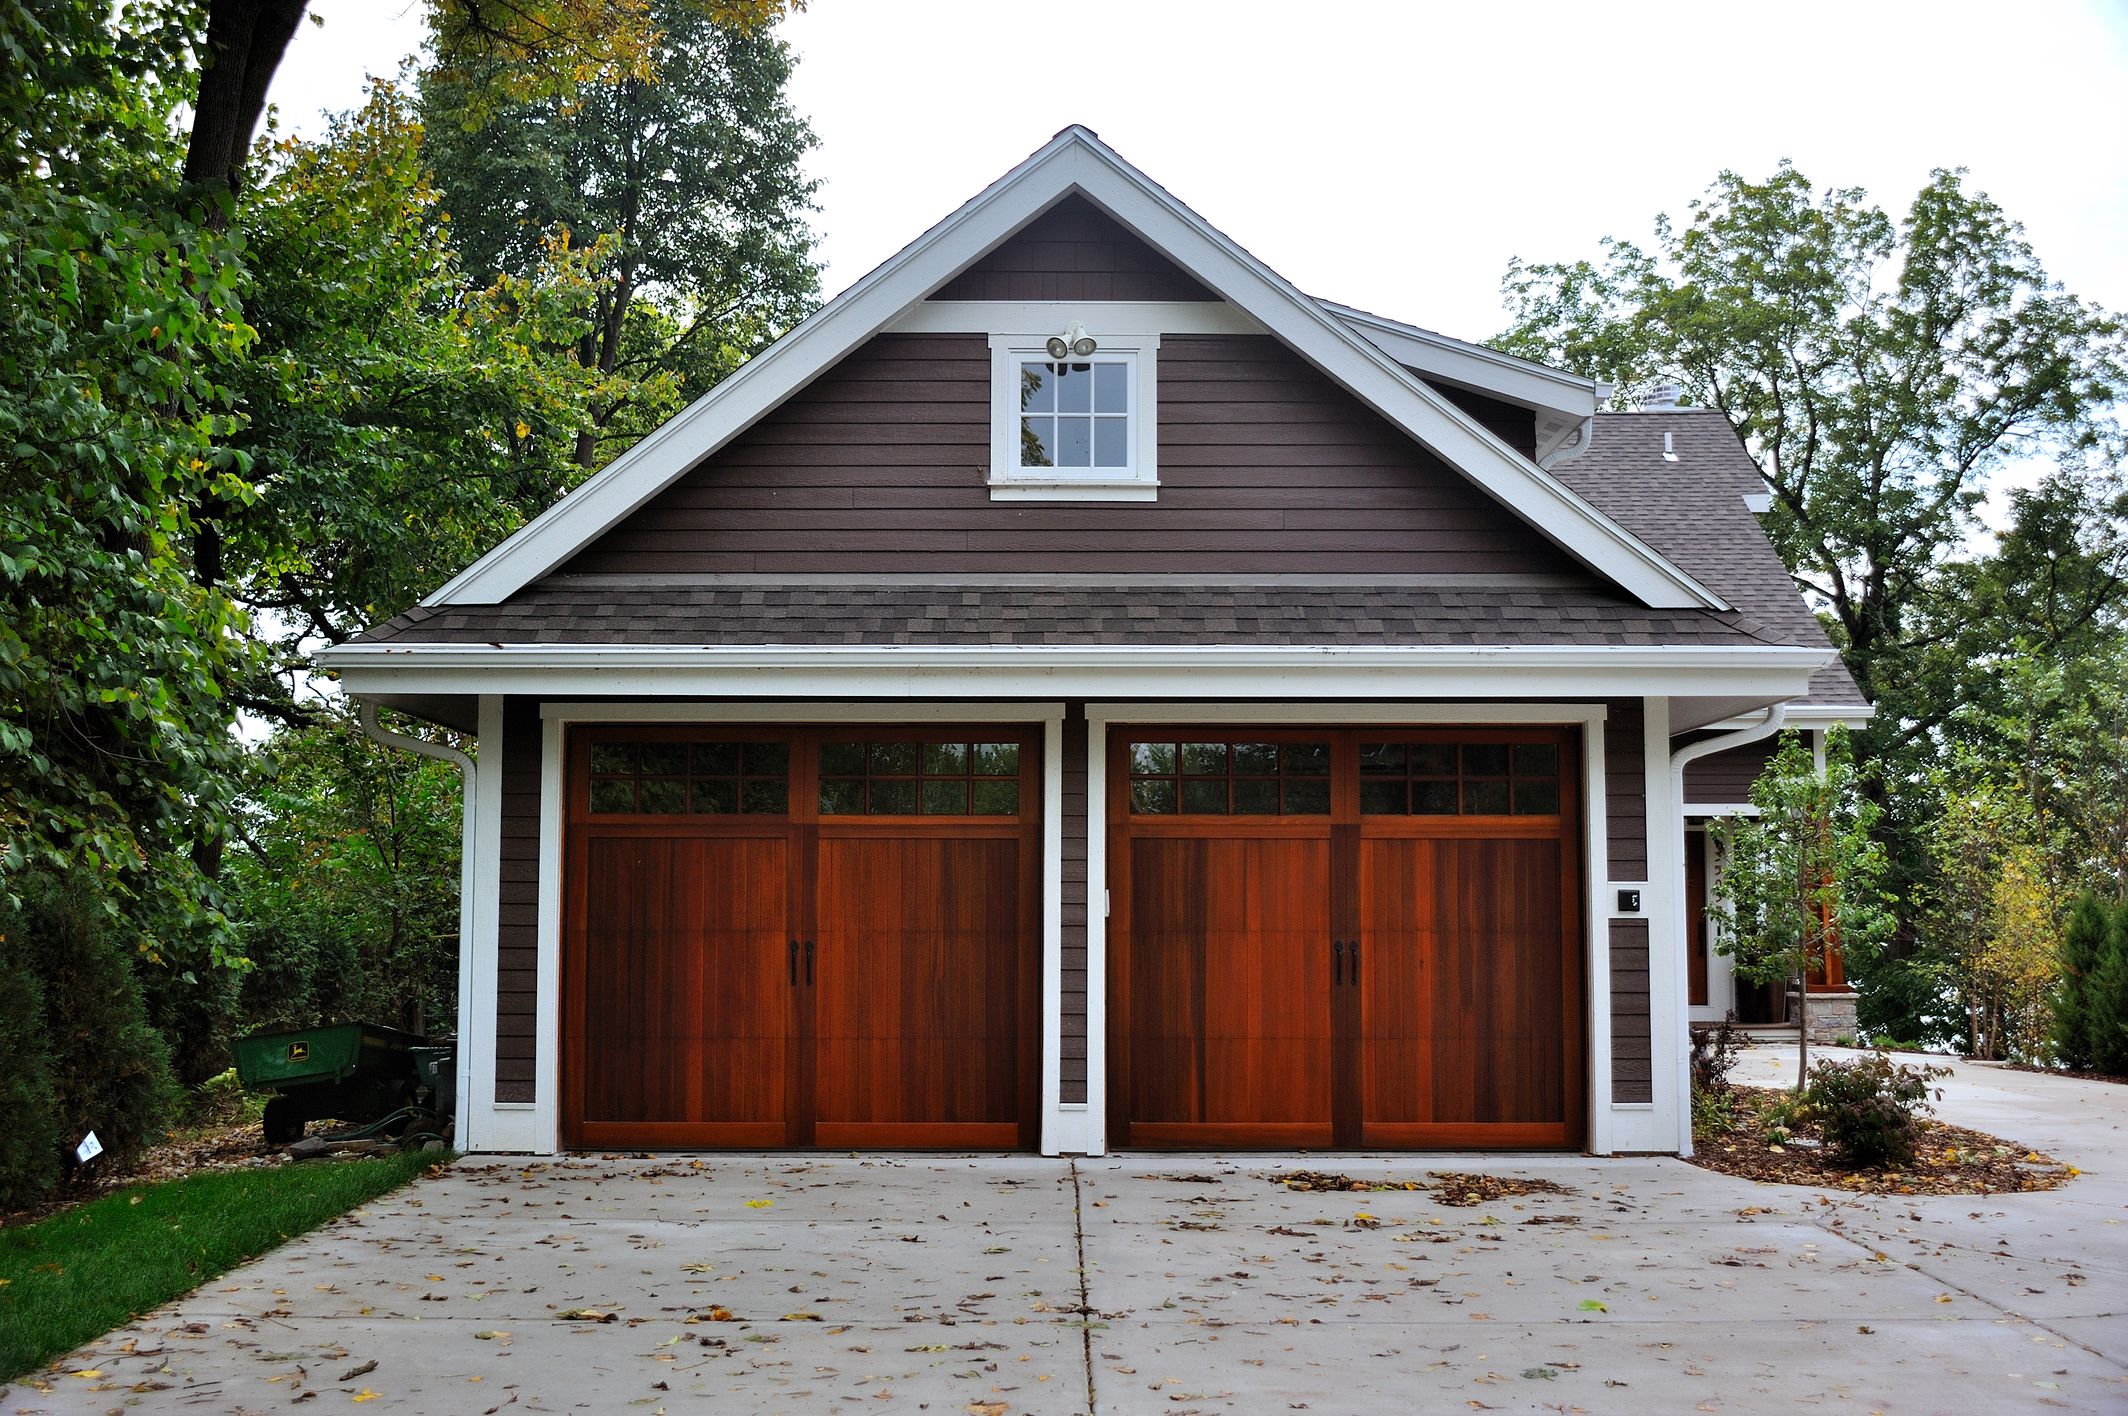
column 81, row 1273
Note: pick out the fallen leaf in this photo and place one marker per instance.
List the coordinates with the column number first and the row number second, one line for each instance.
column 1594, row 1305
column 365, row 1395
column 759, row 1204
column 492, row 1334
column 89, row 1372
column 799, row 1318
column 362, row 1371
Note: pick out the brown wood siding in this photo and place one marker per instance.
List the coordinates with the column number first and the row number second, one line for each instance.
column 1626, row 814
column 1072, row 1028
column 1517, row 427
column 517, row 917
column 1266, row 466
column 1074, row 251
column 1725, row 777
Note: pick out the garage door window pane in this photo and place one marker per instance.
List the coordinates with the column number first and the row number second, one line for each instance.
column 1204, row 797
column 766, row 759
column 1433, row 798
column 617, row 757
column 1307, row 759
column 613, row 794
column 715, row 796
column 1154, row 798
column 893, row 796
column 997, row 759
column 997, row 798
column 1256, row 796
column 765, row 796
column 842, row 796
column 947, row 798
column 842, row 759
column 1307, row 798
column 664, row 759
column 1383, row 798
column 1484, row 798
column 664, row 796
column 896, row 759
column 1536, row 796
column 1487, row 759
column 1152, row 759
column 945, row 759
column 1204, row 759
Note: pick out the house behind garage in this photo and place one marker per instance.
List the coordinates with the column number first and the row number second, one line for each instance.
column 1076, row 691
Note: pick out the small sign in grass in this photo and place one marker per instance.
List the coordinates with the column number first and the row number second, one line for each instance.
column 78, row 1274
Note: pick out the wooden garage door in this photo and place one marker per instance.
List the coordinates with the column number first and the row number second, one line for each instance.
column 797, row 937
column 1351, row 937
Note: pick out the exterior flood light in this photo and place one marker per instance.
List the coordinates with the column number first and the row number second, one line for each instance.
column 1073, row 341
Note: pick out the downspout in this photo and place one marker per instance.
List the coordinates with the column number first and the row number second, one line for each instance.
column 1775, row 717
column 468, row 769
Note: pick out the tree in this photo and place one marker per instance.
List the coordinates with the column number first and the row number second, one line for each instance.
column 1804, row 875
column 688, row 165
column 1882, row 372
column 2077, row 1006
column 119, row 326
column 400, row 417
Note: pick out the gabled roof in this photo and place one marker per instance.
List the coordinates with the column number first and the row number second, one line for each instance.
column 1076, row 161
column 1681, row 478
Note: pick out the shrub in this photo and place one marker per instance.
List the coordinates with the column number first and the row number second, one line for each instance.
column 2107, row 1017
column 1714, row 1054
column 1868, row 1110
column 110, row 1070
column 29, row 1116
column 2084, row 952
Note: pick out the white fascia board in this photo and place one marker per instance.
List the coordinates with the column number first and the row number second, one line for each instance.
column 1803, row 715
column 1074, row 671
column 1472, row 365
column 1073, row 160
column 1016, row 317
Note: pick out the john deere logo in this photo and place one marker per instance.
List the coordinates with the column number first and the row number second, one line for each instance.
column 297, row 1051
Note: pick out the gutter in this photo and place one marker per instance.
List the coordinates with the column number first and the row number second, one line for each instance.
column 366, row 715
column 1776, row 718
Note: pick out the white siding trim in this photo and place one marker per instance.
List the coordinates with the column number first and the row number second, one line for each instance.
column 1597, row 985
column 477, row 963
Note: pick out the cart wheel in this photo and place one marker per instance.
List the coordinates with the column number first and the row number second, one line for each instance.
column 283, row 1122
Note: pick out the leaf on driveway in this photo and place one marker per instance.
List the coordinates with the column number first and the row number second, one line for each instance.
column 759, row 1204
column 492, row 1335
column 1594, row 1305
column 362, row 1371
column 365, row 1395
column 587, row 1315
column 799, row 1318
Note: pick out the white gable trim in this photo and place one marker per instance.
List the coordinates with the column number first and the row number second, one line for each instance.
column 1074, row 160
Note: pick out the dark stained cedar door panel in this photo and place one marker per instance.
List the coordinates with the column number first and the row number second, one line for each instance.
column 1266, row 466
column 1364, row 937
column 1074, row 251
column 783, row 936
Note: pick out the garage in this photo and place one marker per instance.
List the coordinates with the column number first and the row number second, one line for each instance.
column 795, row 937
column 1350, row 938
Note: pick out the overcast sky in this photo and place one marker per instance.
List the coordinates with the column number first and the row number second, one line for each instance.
column 1394, row 156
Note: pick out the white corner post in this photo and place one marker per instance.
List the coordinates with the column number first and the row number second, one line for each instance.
column 1776, row 716
column 469, row 912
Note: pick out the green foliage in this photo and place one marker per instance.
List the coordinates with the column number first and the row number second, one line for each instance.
column 1993, row 914
column 29, row 1113
column 345, row 880
column 1867, row 1110
column 120, row 324
column 2105, row 1002
column 1805, row 874
column 400, row 419
column 87, row 1270
column 110, row 1071
column 2086, row 944
column 687, row 170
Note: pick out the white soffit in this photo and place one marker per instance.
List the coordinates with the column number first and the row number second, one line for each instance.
column 1074, row 160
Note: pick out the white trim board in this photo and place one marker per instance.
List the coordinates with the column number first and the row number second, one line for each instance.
column 1075, row 161
column 1047, row 671
column 1589, row 717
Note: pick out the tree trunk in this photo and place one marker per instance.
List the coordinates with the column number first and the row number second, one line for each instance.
column 245, row 42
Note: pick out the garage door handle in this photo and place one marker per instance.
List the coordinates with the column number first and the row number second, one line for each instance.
column 1337, row 962
column 1355, row 961
column 794, row 963
column 809, row 963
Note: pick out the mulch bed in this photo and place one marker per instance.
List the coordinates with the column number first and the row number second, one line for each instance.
column 1949, row 1160
column 1447, row 1187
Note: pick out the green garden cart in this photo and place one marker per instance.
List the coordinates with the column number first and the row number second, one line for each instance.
column 362, row 1072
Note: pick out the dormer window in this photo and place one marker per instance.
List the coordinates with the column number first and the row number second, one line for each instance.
column 1076, row 428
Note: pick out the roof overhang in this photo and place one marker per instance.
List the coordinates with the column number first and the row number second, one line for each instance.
column 1764, row 673
column 1075, row 161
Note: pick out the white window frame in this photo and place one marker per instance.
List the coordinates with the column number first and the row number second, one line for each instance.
column 1009, row 481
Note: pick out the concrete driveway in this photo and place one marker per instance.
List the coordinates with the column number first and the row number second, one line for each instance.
column 1170, row 1284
